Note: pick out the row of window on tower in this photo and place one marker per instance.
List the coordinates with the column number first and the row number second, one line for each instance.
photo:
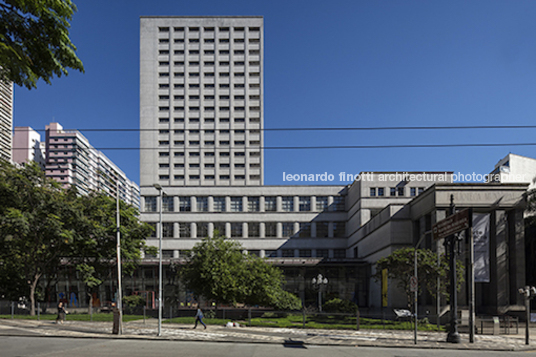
column 395, row 191
column 245, row 204
column 315, row 229
column 190, row 29
column 265, row 253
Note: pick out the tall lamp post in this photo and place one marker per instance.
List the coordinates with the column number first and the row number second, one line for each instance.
column 528, row 292
column 119, row 285
column 319, row 282
column 161, row 192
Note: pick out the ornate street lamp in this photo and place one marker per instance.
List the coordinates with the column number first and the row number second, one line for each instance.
column 319, row 282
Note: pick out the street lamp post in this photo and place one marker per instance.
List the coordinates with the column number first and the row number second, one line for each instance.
column 528, row 293
column 319, row 282
column 161, row 192
column 119, row 285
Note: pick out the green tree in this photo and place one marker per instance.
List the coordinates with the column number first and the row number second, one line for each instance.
column 34, row 41
column 43, row 227
column 95, row 253
column 217, row 270
column 400, row 266
column 37, row 219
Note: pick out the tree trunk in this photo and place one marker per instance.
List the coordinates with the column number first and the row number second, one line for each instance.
column 90, row 307
column 33, row 285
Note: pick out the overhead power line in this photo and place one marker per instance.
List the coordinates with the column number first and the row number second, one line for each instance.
column 470, row 127
column 401, row 146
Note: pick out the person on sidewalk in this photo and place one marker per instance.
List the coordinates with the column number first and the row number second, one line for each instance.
column 61, row 313
column 199, row 318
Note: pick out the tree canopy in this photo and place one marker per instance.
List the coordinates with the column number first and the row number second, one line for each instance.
column 44, row 226
column 400, row 267
column 34, row 41
column 217, row 270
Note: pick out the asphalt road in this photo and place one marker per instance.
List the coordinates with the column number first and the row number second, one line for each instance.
column 14, row 346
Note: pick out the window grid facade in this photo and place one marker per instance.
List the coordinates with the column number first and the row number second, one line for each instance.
column 208, row 79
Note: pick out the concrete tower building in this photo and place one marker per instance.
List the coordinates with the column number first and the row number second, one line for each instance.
column 201, row 101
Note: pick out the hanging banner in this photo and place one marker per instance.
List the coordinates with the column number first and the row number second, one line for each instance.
column 481, row 243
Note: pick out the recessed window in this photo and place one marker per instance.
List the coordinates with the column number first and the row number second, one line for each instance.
column 305, row 203
column 287, row 203
column 219, row 204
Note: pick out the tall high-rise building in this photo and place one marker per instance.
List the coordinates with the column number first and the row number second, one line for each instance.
column 73, row 161
column 6, row 120
column 201, row 101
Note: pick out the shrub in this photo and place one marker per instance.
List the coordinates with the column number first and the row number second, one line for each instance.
column 287, row 301
column 339, row 305
column 133, row 301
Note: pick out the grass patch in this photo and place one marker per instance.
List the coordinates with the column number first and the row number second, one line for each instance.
column 337, row 322
column 327, row 322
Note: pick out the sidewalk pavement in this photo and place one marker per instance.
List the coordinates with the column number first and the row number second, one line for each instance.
column 289, row 336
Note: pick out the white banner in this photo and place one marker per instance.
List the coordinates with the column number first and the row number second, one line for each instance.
column 481, row 237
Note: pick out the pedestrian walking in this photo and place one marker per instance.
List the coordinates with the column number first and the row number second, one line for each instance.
column 61, row 313
column 199, row 318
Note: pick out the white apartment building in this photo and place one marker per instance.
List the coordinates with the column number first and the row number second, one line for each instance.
column 515, row 169
column 73, row 161
column 201, row 101
column 6, row 120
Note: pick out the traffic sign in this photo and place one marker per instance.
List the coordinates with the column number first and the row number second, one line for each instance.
column 452, row 224
column 413, row 284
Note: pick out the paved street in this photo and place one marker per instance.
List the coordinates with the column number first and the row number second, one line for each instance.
column 76, row 338
column 68, row 347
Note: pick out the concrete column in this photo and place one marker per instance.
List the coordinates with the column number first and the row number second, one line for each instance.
column 261, row 204
column 210, row 201
column 245, row 231
column 296, row 227
column 296, row 204
column 227, row 228
column 330, row 204
column 499, row 257
column 245, row 204
column 278, row 204
column 227, row 204
column 193, row 230
column 175, row 254
column 193, row 203
column 313, row 203
column 176, row 203
column 262, row 230
column 176, row 230
column 211, row 230
column 279, row 230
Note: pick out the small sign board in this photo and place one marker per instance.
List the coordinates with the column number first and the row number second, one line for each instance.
column 413, row 284
column 452, row 224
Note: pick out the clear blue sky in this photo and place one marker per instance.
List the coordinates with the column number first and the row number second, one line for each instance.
column 328, row 64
